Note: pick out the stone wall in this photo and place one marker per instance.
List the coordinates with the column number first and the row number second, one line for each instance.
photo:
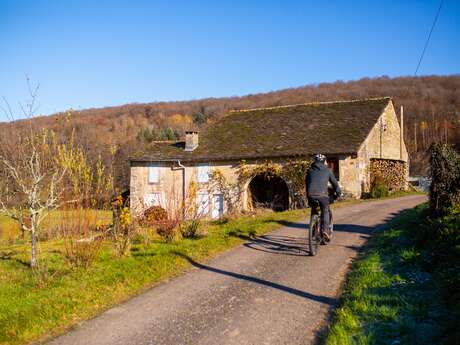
column 383, row 142
column 384, row 139
column 170, row 183
column 351, row 175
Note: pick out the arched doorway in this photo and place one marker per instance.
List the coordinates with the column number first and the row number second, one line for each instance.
column 269, row 191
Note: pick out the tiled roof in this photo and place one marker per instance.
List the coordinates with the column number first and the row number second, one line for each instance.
column 295, row 130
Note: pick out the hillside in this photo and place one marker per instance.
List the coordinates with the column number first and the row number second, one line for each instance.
column 431, row 109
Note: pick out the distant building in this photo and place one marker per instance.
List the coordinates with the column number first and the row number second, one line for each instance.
column 420, row 183
column 354, row 135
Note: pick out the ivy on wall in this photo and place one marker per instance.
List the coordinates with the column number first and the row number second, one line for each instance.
column 230, row 191
column 292, row 171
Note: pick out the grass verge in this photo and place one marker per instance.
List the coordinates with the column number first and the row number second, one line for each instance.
column 391, row 295
column 29, row 313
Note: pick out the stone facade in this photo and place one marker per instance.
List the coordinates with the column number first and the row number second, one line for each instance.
column 166, row 189
column 383, row 142
column 170, row 182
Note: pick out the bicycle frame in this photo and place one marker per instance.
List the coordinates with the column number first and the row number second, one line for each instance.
column 315, row 233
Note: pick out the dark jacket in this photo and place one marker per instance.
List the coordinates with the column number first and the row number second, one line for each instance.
column 317, row 178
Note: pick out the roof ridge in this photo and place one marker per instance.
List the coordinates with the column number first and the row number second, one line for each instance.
column 310, row 103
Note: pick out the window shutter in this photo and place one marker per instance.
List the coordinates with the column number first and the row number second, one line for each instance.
column 203, row 172
column 203, row 204
column 153, row 199
column 154, row 174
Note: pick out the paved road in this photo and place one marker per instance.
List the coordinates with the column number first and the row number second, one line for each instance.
column 267, row 291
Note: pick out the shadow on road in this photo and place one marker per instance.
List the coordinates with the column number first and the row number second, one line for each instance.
column 276, row 244
column 289, row 224
column 360, row 229
column 337, row 227
column 300, row 293
column 298, row 245
column 293, row 245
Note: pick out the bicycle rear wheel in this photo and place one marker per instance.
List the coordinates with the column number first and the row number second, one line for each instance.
column 331, row 226
column 314, row 234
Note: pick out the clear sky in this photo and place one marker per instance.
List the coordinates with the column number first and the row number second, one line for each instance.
column 99, row 53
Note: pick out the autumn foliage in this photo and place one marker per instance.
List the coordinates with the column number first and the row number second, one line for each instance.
column 431, row 113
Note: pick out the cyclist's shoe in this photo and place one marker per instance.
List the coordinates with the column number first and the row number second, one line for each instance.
column 327, row 235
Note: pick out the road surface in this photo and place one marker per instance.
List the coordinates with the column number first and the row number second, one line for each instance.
column 267, row 291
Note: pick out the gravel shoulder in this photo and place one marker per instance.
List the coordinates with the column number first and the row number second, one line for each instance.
column 266, row 291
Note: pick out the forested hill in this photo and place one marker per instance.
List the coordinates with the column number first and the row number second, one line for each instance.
column 431, row 112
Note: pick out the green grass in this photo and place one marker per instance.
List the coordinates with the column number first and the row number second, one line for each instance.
column 389, row 298
column 28, row 313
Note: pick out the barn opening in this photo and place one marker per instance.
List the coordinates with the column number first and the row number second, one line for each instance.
column 269, row 191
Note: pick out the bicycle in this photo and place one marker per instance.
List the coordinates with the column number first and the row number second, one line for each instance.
column 315, row 236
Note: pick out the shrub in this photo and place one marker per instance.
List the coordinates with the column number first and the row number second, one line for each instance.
column 190, row 228
column 123, row 230
column 82, row 245
column 445, row 178
column 167, row 229
column 81, row 253
column 152, row 215
column 379, row 188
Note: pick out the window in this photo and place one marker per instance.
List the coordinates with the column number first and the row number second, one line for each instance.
column 333, row 164
column 154, row 174
column 217, row 206
column 203, row 173
column 203, row 203
column 152, row 199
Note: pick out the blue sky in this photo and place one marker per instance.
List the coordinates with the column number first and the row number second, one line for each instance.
column 100, row 53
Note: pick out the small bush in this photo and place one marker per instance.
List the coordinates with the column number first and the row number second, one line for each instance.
column 123, row 231
column 379, row 188
column 82, row 245
column 152, row 215
column 445, row 178
column 167, row 229
column 81, row 253
column 190, row 229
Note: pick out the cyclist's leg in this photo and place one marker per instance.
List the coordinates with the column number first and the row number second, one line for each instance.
column 312, row 202
column 324, row 204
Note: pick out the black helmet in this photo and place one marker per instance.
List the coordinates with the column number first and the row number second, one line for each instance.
column 319, row 157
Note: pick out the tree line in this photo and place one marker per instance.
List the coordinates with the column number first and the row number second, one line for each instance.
column 431, row 114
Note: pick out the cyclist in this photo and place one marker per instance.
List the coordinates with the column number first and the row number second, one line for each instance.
column 318, row 177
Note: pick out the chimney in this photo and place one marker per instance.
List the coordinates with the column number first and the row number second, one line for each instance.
column 191, row 140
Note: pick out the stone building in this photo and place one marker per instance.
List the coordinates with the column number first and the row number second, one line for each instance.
column 356, row 136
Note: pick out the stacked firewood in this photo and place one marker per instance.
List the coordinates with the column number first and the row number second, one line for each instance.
column 393, row 172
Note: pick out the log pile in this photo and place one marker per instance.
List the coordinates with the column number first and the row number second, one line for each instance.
column 392, row 172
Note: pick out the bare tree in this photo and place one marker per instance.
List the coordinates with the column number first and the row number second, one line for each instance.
column 31, row 174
